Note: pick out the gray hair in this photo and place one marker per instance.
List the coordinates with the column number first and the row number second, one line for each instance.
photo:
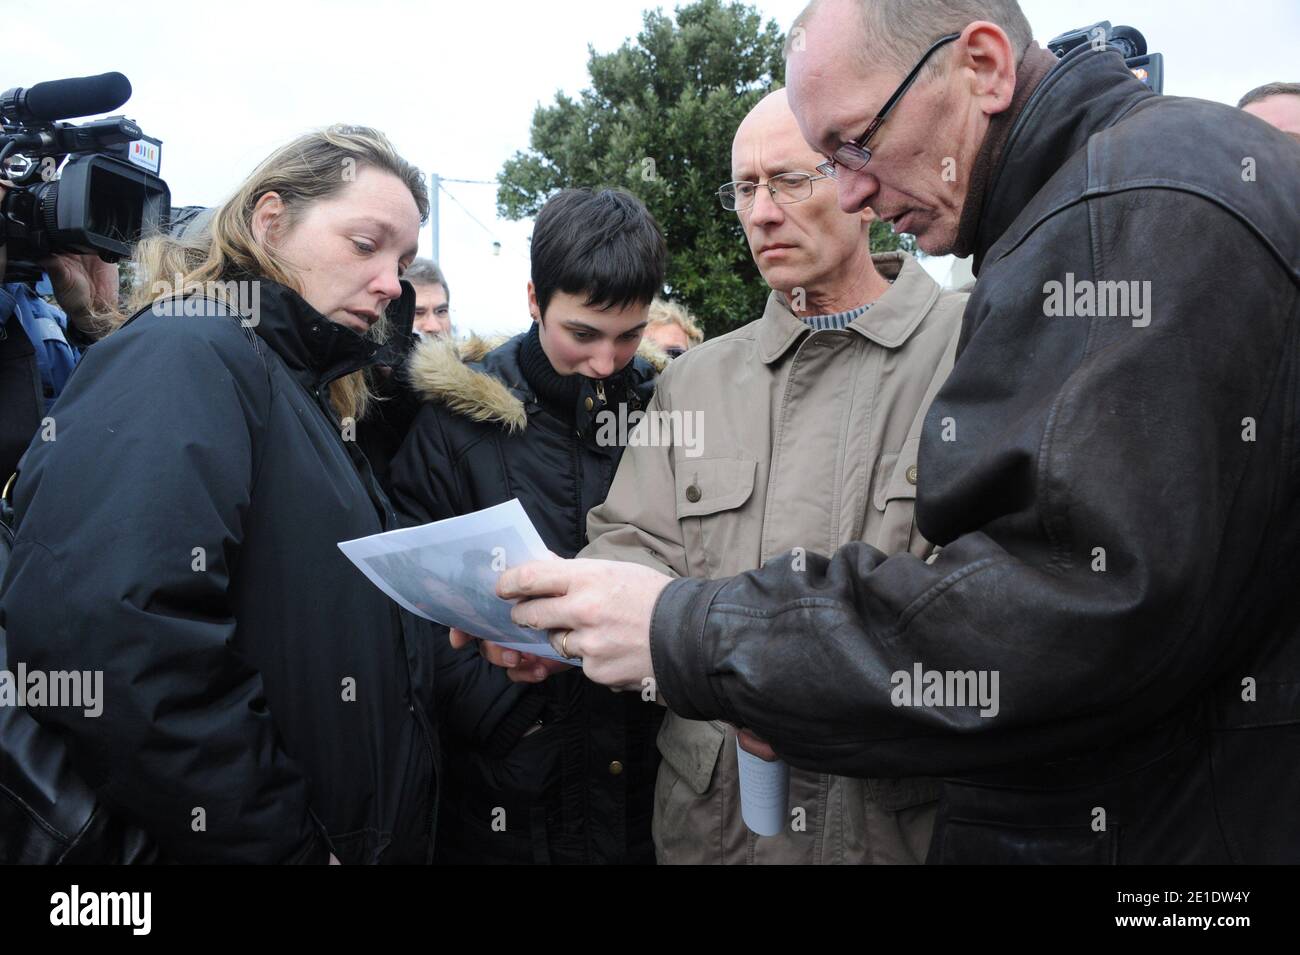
column 1267, row 90
column 426, row 272
column 895, row 33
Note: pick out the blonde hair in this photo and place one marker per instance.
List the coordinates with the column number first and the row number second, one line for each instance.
column 314, row 166
column 663, row 312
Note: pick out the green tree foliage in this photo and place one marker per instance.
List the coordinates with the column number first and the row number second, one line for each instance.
column 658, row 120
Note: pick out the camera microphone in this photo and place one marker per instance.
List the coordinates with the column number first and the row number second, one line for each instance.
column 63, row 99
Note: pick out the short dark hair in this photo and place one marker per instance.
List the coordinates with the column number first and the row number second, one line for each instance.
column 603, row 244
column 1267, row 90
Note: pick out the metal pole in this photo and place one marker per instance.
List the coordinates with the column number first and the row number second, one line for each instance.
column 435, row 186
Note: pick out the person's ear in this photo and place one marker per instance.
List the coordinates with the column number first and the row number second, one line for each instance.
column 985, row 55
column 533, row 309
column 267, row 214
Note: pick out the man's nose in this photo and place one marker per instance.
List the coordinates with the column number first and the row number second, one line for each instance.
column 855, row 189
column 765, row 210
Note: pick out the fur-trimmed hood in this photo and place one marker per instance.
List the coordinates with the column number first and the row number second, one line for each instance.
column 439, row 369
column 450, row 372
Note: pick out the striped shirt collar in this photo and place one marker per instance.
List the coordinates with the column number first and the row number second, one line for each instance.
column 838, row 320
column 889, row 322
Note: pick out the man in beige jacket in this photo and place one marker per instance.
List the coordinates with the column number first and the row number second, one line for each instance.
column 803, row 432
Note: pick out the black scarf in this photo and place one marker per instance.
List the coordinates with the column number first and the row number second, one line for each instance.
column 565, row 395
column 557, row 392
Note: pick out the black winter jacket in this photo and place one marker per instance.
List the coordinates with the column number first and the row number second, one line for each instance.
column 578, row 787
column 1118, row 500
column 263, row 702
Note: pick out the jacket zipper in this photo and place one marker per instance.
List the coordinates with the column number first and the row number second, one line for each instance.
column 321, row 392
column 426, row 732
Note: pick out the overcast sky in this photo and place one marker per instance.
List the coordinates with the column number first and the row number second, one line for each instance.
column 455, row 85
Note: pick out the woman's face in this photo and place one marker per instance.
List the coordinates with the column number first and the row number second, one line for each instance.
column 581, row 340
column 348, row 250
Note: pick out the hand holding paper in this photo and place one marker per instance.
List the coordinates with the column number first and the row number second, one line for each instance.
column 603, row 606
column 447, row 571
column 520, row 667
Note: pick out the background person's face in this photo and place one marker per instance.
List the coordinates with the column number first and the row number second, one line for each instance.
column 432, row 312
column 347, row 251
column 668, row 335
column 1282, row 111
column 923, row 153
column 581, row 340
column 808, row 244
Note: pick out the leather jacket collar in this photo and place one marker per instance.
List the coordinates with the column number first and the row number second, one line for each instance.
column 1086, row 93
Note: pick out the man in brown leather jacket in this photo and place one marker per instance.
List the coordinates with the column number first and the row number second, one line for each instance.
column 1111, row 470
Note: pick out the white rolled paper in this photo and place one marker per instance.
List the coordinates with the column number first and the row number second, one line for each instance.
column 764, row 792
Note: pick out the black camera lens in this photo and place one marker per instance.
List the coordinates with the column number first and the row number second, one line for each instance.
column 1128, row 41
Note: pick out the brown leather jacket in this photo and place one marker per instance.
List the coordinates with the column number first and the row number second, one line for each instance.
column 1118, row 515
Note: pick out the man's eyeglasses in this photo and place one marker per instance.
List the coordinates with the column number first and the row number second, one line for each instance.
column 785, row 188
column 855, row 155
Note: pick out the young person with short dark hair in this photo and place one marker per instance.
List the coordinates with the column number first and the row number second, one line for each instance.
column 563, row 771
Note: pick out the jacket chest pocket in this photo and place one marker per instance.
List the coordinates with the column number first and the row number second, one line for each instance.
column 710, row 494
column 891, row 526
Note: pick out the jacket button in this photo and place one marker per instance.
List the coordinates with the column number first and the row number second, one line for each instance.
column 911, row 474
column 692, row 494
column 615, row 768
column 589, row 404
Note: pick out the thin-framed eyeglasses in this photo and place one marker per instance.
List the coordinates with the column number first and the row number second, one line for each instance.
column 786, row 188
column 854, row 155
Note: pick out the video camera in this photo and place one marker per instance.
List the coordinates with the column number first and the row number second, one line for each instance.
column 88, row 188
column 1132, row 45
